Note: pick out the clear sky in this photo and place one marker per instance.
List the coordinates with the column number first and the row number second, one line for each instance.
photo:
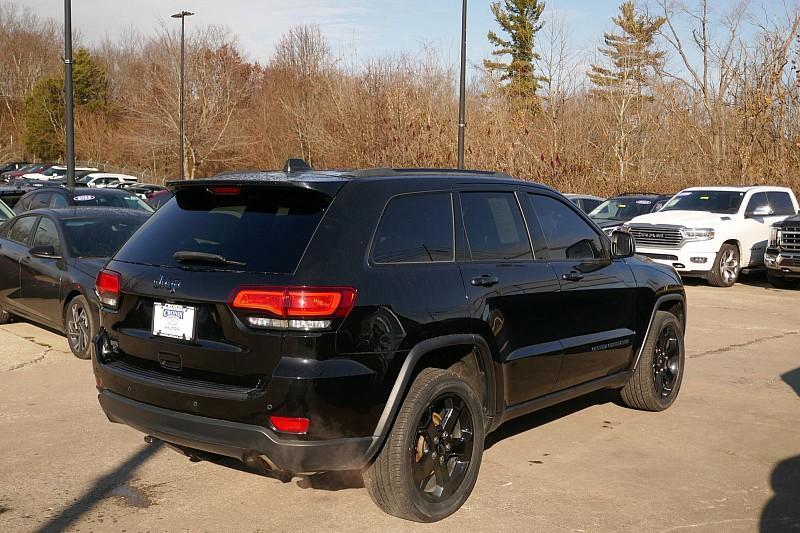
column 370, row 27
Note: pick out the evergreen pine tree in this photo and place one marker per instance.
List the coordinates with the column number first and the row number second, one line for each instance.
column 520, row 19
column 630, row 53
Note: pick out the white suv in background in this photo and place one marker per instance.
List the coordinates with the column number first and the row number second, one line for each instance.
column 713, row 232
column 102, row 180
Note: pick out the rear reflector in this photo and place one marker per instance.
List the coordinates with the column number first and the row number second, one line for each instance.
column 108, row 287
column 298, row 426
column 298, row 302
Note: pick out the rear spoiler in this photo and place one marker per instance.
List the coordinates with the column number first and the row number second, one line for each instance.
column 327, row 184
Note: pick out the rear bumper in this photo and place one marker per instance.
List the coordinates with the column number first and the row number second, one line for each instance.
column 237, row 440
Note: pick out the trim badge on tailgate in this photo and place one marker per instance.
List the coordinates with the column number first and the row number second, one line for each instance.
column 167, row 284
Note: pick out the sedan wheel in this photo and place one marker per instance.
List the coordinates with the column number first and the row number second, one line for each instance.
column 80, row 328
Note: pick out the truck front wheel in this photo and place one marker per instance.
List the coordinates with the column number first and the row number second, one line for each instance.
column 726, row 267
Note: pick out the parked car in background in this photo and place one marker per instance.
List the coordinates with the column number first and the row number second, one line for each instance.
column 378, row 320
column 102, row 180
column 614, row 212
column 56, row 172
column 56, row 197
column 159, row 198
column 782, row 258
column 142, row 190
column 62, row 180
column 11, row 194
column 12, row 166
column 713, row 232
column 49, row 260
column 585, row 202
column 33, row 167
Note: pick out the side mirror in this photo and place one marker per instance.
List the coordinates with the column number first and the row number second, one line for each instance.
column 762, row 211
column 45, row 252
column 622, row 244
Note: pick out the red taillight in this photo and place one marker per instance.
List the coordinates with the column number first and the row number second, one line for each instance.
column 107, row 287
column 298, row 302
column 226, row 190
column 298, row 426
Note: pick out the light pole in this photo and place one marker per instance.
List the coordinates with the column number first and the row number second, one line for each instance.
column 182, row 15
column 462, row 107
column 70, row 155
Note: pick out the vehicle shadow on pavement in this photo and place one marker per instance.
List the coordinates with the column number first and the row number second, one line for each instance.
column 792, row 378
column 332, row 481
column 545, row 416
column 782, row 512
column 102, row 487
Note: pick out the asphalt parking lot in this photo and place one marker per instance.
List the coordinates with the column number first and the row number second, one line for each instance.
column 726, row 457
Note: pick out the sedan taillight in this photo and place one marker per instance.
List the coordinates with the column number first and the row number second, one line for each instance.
column 108, row 288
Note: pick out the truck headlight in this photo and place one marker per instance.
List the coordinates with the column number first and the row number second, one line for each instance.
column 774, row 236
column 698, row 234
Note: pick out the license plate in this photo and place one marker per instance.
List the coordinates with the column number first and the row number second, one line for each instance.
column 174, row 321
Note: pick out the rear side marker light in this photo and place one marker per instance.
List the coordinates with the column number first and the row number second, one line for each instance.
column 107, row 287
column 298, row 302
column 297, row 426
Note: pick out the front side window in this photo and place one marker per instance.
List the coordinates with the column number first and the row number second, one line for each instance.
column 21, row 230
column 416, row 228
column 722, row 202
column 47, row 235
column 495, row 227
column 58, row 201
column 568, row 236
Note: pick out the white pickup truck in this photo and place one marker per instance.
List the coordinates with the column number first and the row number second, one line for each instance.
column 713, row 232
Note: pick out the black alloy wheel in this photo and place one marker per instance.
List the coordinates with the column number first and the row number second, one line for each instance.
column 79, row 326
column 666, row 361
column 443, row 450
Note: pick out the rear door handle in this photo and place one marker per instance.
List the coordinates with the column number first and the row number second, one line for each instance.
column 572, row 276
column 485, row 281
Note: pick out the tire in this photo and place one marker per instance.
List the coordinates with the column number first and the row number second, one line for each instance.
column 657, row 379
column 5, row 317
column 411, row 455
column 80, row 327
column 779, row 282
column 727, row 267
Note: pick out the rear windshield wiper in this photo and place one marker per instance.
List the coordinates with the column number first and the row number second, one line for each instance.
column 184, row 256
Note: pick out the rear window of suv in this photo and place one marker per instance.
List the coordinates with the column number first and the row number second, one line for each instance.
column 260, row 230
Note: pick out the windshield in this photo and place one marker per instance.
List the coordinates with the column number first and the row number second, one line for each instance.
column 99, row 237
column 53, row 171
column 723, row 202
column 127, row 201
column 622, row 208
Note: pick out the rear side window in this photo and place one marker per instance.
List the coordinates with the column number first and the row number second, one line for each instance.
column 58, row 201
column 40, row 200
column 781, row 203
column 21, row 230
column 416, row 228
column 568, row 236
column 494, row 225
column 261, row 230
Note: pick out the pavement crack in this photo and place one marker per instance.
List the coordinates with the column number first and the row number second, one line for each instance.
column 731, row 347
column 31, row 362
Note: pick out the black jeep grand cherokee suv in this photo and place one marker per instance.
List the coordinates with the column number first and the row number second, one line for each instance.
column 383, row 320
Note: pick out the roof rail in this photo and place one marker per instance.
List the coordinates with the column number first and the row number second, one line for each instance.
column 371, row 172
column 295, row 164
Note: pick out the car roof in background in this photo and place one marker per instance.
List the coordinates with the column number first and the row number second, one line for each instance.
column 82, row 190
column 109, row 175
column 91, row 212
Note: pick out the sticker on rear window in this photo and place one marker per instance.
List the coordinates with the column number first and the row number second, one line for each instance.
column 644, row 202
column 704, row 197
column 83, row 198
